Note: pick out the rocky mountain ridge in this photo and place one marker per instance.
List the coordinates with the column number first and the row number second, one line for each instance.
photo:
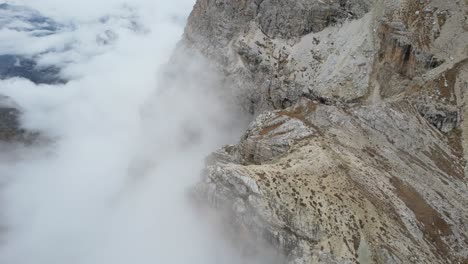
column 357, row 150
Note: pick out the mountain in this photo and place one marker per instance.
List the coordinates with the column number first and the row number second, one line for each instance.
column 357, row 146
column 54, row 46
column 357, row 149
column 23, row 19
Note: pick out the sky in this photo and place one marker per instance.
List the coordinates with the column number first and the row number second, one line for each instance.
column 124, row 145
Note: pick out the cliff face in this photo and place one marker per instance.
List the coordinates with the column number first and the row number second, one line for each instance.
column 274, row 52
column 357, row 151
column 10, row 127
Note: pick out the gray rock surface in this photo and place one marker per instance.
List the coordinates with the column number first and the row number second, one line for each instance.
column 11, row 130
column 274, row 52
column 357, row 149
column 376, row 182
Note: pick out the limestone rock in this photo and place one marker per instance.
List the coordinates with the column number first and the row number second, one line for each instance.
column 273, row 52
column 10, row 128
column 369, row 182
column 363, row 50
column 357, row 149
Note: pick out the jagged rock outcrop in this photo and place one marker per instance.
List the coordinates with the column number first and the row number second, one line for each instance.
column 357, row 184
column 9, row 124
column 11, row 130
column 357, row 152
column 274, row 52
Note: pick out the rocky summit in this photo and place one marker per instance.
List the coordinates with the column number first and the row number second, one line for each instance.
column 358, row 145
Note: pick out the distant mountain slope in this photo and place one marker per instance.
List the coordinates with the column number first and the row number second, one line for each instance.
column 21, row 18
column 26, row 20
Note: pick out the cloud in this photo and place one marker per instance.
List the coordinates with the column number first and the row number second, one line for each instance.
column 110, row 186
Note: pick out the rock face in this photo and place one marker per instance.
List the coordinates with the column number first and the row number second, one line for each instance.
column 357, row 152
column 340, row 185
column 11, row 130
column 273, row 56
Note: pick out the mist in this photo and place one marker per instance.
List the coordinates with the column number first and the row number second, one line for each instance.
column 125, row 140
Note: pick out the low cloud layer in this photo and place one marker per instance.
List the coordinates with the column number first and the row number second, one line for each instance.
column 110, row 186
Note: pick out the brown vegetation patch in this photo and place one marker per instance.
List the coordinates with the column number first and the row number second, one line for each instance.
column 380, row 201
column 411, row 160
column 433, row 225
column 455, row 141
column 445, row 83
column 413, row 16
column 442, row 18
column 300, row 112
column 379, row 158
column 284, row 133
column 268, row 129
column 445, row 162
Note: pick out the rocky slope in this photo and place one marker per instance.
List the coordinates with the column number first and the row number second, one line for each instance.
column 357, row 152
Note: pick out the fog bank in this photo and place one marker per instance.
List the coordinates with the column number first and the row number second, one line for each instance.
column 111, row 183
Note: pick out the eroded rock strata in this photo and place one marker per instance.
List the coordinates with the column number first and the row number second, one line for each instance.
column 357, row 149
